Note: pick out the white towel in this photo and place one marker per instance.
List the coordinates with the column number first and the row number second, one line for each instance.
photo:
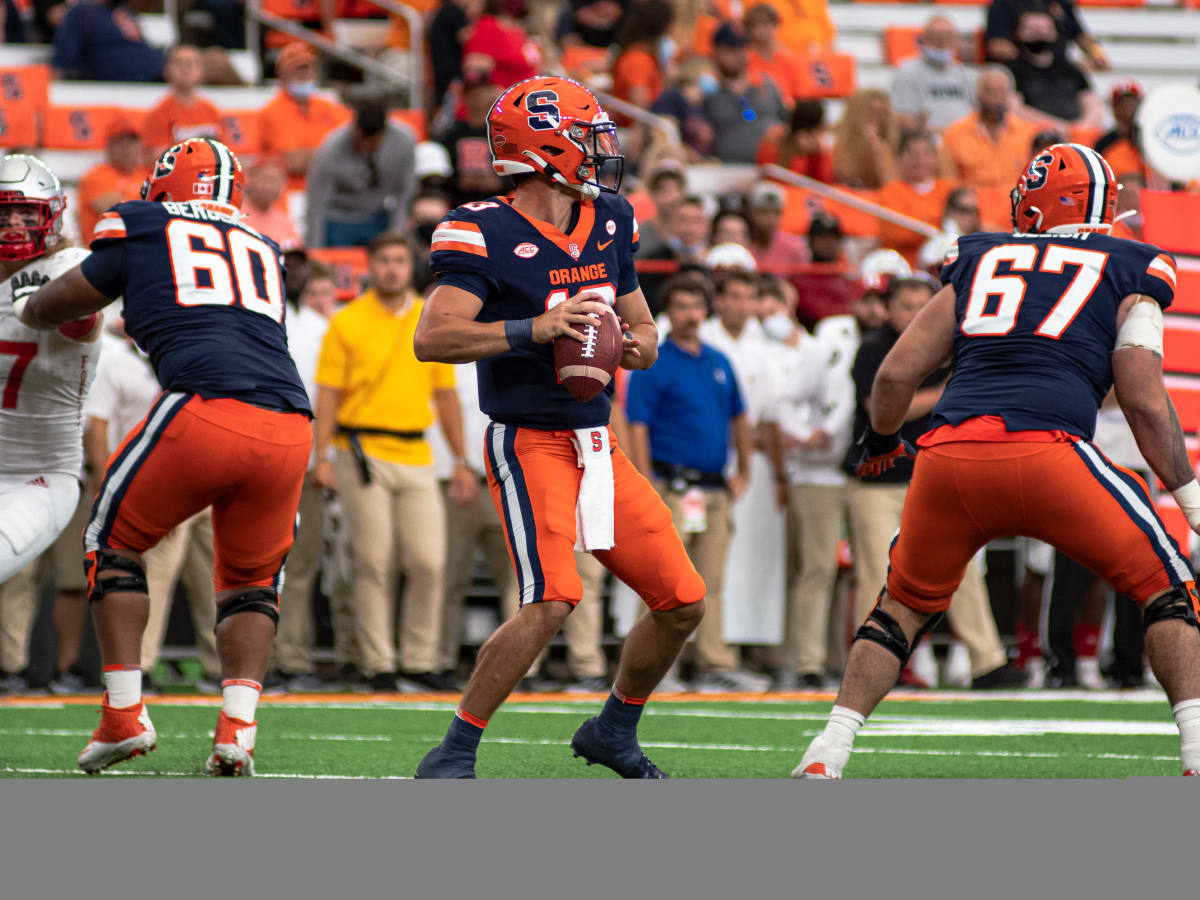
column 594, row 506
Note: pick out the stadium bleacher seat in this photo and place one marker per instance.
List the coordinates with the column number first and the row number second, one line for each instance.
column 28, row 84
column 18, row 126
column 1171, row 220
column 76, row 127
column 243, row 130
column 414, row 119
column 349, row 266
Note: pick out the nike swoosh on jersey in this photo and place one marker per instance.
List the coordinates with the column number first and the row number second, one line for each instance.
column 602, row 247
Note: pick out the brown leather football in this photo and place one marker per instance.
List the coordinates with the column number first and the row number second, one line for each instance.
column 586, row 367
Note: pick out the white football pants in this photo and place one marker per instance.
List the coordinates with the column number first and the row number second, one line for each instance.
column 34, row 509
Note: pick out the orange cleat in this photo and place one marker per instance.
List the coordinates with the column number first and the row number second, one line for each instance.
column 124, row 733
column 233, row 748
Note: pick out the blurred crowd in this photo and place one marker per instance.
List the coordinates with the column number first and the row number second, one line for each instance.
column 797, row 297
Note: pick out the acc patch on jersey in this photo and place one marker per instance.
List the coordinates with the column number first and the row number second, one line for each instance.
column 526, row 250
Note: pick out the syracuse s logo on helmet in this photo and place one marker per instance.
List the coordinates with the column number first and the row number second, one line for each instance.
column 543, row 109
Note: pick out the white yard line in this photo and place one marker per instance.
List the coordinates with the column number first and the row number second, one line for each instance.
column 18, row 770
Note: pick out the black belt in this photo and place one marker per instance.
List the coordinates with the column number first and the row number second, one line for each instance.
column 360, row 458
column 680, row 478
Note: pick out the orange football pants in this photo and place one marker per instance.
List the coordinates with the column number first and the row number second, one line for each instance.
column 1068, row 494
column 534, row 479
column 189, row 453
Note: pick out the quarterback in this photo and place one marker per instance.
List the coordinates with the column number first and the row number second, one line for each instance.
column 513, row 275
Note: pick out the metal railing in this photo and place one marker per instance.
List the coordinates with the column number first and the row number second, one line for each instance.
column 416, row 46
column 329, row 47
column 830, row 192
column 662, row 124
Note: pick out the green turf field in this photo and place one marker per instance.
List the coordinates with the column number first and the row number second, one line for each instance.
column 1034, row 735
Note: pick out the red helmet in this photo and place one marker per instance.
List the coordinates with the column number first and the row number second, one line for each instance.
column 1066, row 188
column 554, row 126
column 196, row 169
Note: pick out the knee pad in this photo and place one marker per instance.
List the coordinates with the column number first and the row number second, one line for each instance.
column 257, row 600
column 1177, row 603
column 890, row 635
column 98, row 588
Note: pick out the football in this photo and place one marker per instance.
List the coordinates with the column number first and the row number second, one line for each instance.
column 586, row 367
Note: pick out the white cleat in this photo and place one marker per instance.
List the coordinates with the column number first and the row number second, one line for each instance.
column 123, row 734
column 233, row 748
column 822, row 762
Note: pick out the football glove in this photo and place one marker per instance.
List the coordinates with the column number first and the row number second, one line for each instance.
column 881, row 451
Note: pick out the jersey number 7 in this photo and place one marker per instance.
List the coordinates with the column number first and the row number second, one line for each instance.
column 204, row 277
column 977, row 321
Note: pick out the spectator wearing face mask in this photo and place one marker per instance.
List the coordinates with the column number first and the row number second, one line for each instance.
column 1002, row 16
column 1122, row 146
column 1047, row 81
column 427, row 209
column 740, row 111
column 591, row 23
column 296, row 120
column 933, row 89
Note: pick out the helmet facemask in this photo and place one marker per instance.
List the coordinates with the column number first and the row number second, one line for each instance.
column 602, row 161
column 27, row 240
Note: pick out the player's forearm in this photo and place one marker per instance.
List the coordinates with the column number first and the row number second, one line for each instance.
column 890, row 400
column 329, row 399
column 449, row 413
column 647, row 337
column 65, row 299
column 923, row 402
column 1160, row 439
column 452, row 339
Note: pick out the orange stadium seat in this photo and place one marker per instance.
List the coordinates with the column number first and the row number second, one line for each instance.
column 18, row 126
column 349, row 266
column 900, row 43
column 801, row 203
column 414, row 119
column 243, row 130
column 1187, row 287
column 77, row 127
column 1111, row 2
column 1181, row 344
column 25, row 85
column 829, row 75
column 582, row 61
column 1170, row 219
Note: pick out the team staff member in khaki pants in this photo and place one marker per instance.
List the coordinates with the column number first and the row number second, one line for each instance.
column 379, row 400
column 681, row 413
column 875, row 503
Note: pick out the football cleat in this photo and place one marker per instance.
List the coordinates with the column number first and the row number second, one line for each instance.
column 124, row 733
column 233, row 748
column 628, row 762
column 1191, row 772
column 437, row 763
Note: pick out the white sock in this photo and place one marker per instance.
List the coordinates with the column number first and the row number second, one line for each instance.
column 124, row 687
column 1187, row 717
column 239, row 698
column 843, row 726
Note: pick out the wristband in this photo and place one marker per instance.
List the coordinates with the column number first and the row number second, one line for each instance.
column 518, row 332
column 1188, row 498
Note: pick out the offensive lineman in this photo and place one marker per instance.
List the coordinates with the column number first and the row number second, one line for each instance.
column 204, row 298
column 44, row 375
column 1041, row 323
column 512, row 276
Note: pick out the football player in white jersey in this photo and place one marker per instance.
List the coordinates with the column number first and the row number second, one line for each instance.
column 44, row 375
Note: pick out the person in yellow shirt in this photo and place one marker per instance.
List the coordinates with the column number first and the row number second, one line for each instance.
column 375, row 402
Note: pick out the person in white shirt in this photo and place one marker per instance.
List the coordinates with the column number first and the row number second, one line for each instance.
column 125, row 389
column 44, row 381
column 815, row 408
column 292, row 662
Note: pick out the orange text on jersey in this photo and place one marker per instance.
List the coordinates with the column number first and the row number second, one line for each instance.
column 578, row 274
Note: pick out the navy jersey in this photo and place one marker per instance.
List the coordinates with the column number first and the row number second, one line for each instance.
column 520, row 267
column 203, row 298
column 1037, row 324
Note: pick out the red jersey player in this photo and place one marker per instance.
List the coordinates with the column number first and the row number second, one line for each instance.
column 513, row 275
column 1040, row 324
